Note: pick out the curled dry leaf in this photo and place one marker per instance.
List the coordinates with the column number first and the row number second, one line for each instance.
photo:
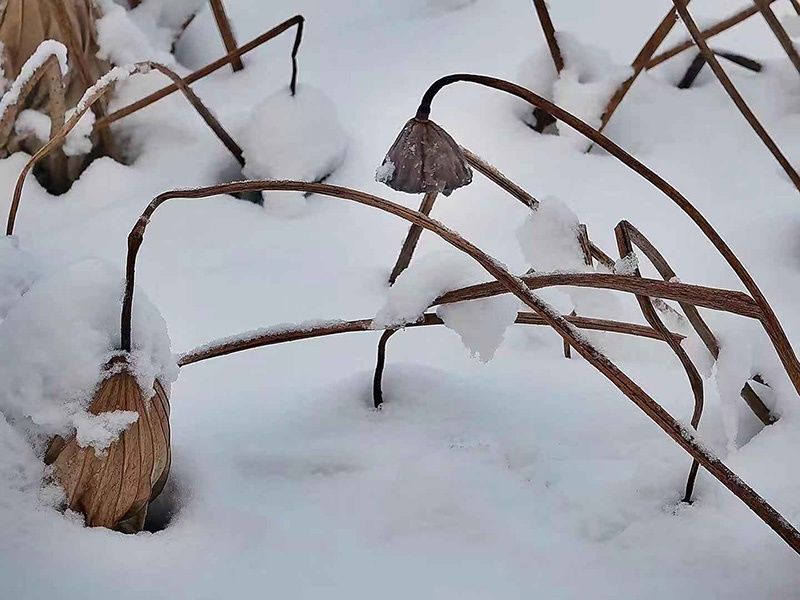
column 114, row 488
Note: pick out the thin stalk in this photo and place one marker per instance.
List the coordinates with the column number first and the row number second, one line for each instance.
column 779, row 32
column 94, row 95
column 737, row 303
column 769, row 319
column 226, row 32
column 707, row 33
column 77, row 57
column 639, row 64
column 494, row 175
column 296, row 21
column 625, row 246
column 412, row 239
column 260, row 338
column 734, row 95
column 682, row 435
column 549, row 34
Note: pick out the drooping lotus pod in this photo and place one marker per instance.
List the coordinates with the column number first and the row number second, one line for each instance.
column 113, row 488
column 424, row 158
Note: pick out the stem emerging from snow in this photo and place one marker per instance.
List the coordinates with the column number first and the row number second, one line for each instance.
column 681, row 434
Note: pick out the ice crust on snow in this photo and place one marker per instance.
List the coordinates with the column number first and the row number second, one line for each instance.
column 56, row 340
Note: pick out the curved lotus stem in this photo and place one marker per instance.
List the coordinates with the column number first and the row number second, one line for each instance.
column 261, row 338
column 625, row 246
column 92, row 96
column 769, row 319
column 707, row 34
column 296, row 21
column 733, row 93
column 682, row 435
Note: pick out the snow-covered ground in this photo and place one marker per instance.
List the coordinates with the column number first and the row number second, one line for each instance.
column 526, row 476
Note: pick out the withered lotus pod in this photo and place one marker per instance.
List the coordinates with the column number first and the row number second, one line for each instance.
column 114, row 488
column 424, row 158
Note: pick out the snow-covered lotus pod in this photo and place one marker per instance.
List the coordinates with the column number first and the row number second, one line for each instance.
column 294, row 137
column 424, row 158
column 112, row 488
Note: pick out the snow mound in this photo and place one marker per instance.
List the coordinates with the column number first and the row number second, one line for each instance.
column 481, row 323
column 293, row 137
column 55, row 342
column 78, row 142
column 18, row 271
column 427, row 278
column 123, row 40
column 585, row 85
column 549, row 237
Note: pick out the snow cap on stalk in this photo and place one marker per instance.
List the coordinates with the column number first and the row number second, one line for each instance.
column 424, row 158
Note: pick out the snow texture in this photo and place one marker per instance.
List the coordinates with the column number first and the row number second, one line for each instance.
column 427, row 278
column 56, row 340
column 482, row 324
column 43, row 52
column 293, row 137
column 18, row 271
column 37, row 124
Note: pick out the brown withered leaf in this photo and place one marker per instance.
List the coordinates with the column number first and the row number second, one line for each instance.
column 113, row 489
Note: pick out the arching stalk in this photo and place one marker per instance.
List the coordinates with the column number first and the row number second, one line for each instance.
column 682, row 435
column 94, row 95
column 769, row 319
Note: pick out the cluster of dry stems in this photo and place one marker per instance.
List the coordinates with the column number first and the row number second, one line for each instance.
column 114, row 490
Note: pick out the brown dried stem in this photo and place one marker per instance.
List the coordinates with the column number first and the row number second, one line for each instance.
column 226, row 32
column 769, row 319
column 708, row 33
column 682, row 435
column 549, row 33
column 483, row 167
column 625, row 246
column 412, row 239
column 734, row 94
column 780, row 33
column 296, row 21
column 639, row 64
column 95, row 95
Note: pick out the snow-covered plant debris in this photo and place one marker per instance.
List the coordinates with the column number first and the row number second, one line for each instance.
column 549, row 237
column 293, row 137
column 428, row 277
column 56, row 341
column 481, row 323
column 584, row 86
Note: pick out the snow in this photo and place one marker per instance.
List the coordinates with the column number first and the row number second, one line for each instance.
column 18, row 271
column 549, row 237
column 100, row 431
column 586, row 83
column 497, row 480
column 43, row 52
column 55, row 342
column 293, row 137
column 428, row 277
column 481, row 324
column 37, row 124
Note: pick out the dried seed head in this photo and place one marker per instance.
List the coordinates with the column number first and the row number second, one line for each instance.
column 114, row 488
column 424, row 158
